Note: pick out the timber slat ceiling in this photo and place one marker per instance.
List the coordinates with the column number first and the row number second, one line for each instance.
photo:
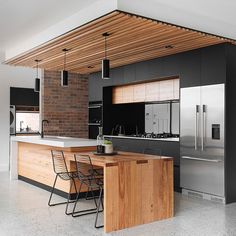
column 133, row 39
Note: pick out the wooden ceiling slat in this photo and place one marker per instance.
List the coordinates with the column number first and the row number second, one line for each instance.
column 133, row 39
column 119, row 44
column 95, row 39
column 137, row 51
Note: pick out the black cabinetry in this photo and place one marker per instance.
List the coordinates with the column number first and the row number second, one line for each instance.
column 24, row 97
column 95, row 118
column 202, row 66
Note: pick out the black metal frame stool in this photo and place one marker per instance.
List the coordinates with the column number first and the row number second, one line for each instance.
column 87, row 176
column 61, row 171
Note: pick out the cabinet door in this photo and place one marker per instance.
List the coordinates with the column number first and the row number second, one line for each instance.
column 176, row 88
column 128, row 94
column 152, row 91
column 166, row 90
column 139, row 93
column 117, row 95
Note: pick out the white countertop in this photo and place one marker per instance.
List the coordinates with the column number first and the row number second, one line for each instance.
column 133, row 137
column 56, row 141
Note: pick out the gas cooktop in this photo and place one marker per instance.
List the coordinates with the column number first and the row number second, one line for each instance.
column 153, row 135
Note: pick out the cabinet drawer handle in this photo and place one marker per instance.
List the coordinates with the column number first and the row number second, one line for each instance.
column 142, row 161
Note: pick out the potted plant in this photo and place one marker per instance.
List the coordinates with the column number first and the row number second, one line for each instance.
column 108, row 146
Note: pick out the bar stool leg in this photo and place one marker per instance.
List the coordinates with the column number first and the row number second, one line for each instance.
column 82, row 212
column 68, row 197
column 52, row 192
column 99, row 203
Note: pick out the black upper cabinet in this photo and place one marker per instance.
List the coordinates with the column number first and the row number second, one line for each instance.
column 142, row 71
column 213, row 65
column 117, row 76
column 129, row 73
column 95, row 87
column 198, row 67
column 190, row 68
column 24, row 97
column 155, row 68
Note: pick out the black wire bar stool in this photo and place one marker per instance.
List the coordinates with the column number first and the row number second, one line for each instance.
column 61, row 171
column 88, row 177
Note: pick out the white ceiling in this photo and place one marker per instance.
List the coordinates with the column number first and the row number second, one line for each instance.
column 21, row 19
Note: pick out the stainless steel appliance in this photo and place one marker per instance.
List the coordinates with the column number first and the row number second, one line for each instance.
column 202, row 140
column 12, row 120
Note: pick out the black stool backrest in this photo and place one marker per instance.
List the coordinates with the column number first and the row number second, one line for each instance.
column 59, row 163
column 84, row 167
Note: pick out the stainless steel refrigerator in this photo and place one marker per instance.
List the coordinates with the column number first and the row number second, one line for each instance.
column 202, row 140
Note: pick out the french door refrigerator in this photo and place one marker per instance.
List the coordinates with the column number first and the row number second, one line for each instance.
column 202, row 141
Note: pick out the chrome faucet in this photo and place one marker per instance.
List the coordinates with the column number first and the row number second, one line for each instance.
column 42, row 127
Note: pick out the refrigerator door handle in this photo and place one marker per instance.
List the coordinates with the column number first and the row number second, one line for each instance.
column 203, row 125
column 196, row 126
column 201, row 159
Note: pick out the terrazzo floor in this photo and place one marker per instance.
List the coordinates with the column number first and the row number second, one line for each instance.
column 24, row 212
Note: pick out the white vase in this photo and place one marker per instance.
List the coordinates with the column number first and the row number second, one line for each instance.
column 108, row 148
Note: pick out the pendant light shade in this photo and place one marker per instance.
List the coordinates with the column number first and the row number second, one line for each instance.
column 105, row 69
column 64, row 78
column 37, row 85
column 37, row 80
column 105, row 61
column 64, row 73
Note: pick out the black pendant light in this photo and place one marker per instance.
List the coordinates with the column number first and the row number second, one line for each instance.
column 105, row 61
column 64, row 72
column 37, row 80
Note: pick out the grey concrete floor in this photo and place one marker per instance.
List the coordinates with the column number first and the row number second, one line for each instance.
column 24, row 212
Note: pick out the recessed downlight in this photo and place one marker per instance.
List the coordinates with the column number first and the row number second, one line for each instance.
column 169, row 46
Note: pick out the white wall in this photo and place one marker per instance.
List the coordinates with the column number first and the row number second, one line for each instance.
column 87, row 14
column 10, row 77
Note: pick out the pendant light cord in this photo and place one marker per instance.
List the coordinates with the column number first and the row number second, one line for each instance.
column 37, row 69
column 65, row 60
column 105, row 46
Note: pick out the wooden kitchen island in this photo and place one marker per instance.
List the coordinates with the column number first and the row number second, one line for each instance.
column 138, row 188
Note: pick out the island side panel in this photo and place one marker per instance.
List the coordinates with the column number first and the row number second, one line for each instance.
column 138, row 192
column 35, row 163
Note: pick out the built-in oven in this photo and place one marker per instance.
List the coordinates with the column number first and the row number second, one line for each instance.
column 95, row 118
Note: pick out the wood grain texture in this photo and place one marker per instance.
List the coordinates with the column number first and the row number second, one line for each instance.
column 133, row 39
column 138, row 193
column 35, row 163
column 138, row 188
column 154, row 91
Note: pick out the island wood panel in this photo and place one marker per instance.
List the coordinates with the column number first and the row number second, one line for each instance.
column 133, row 38
column 35, row 163
column 139, row 192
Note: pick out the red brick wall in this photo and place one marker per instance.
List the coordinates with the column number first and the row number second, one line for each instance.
column 66, row 108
